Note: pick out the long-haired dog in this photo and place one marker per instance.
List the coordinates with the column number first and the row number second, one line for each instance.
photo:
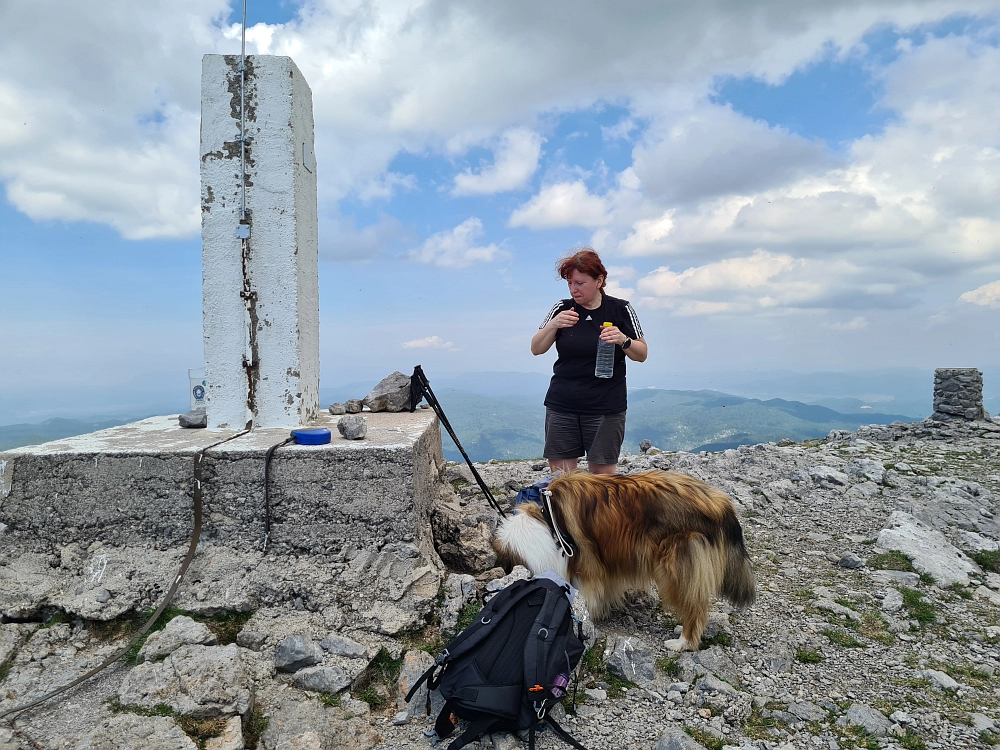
column 629, row 531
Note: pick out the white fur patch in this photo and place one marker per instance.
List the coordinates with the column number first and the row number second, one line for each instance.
column 531, row 541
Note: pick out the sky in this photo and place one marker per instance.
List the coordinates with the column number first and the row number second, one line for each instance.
column 776, row 186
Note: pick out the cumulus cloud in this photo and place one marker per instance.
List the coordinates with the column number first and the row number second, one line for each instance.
column 431, row 342
column 563, row 204
column 456, row 248
column 515, row 160
column 854, row 324
column 988, row 295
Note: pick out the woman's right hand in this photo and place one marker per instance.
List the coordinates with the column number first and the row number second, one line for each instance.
column 565, row 319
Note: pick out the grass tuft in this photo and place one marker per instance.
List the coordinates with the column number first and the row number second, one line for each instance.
column 843, row 638
column 989, row 561
column 808, row 656
column 912, row 741
column 255, row 725
column 918, row 607
column 382, row 672
column 468, row 615
column 892, row 560
column 710, row 741
column 719, row 639
column 669, row 666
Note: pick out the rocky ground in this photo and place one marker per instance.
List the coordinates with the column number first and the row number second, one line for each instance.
column 872, row 629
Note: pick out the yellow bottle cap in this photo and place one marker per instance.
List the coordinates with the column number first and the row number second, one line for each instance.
column 608, row 325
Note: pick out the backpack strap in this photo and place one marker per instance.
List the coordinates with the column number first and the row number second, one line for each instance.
column 477, row 729
column 544, row 635
column 444, row 726
column 563, row 734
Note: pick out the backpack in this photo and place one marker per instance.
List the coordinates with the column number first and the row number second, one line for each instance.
column 511, row 666
column 533, row 494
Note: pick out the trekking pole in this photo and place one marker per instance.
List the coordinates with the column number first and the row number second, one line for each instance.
column 420, row 388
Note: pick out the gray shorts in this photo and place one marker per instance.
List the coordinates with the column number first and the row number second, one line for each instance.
column 599, row 436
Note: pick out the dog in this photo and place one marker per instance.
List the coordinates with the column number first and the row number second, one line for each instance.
column 628, row 531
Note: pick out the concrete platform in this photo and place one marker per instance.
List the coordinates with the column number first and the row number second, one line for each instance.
column 355, row 513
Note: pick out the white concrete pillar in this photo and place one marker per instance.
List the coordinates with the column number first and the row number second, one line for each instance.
column 261, row 296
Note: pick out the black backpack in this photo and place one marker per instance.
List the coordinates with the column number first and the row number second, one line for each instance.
column 510, row 667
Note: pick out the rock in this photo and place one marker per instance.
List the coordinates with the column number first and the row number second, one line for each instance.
column 353, row 406
column 391, row 394
column 928, row 548
column 540, row 466
column 463, row 536
column 893, row 601
column 103, row 596
column 337, row 409
column 982, row 723
column 851, row 561
column 251, row 639
column 194, row 418
column 991, row 596
column 296, row 652
column 231, row 737
column 198, row 681
column 807, row 711
column 415, row 663
column 940, row 679
column 645, row 445
column 321, row 679
column 838, row 609
column 709, row 683
column 780, row 659
column 630, row 659
column 339, row 645
column 596, row 694
column 866, row 717
column 900, row 717
column 180, row 631
column 901, row 577
column 131, row 732
column 828, row 475
column 352, row 427
column 958, row 394
column 296, row 722
column 400, row 718
column 11, row 638
column 974, row 542
column 459, row 590
column 675, row 738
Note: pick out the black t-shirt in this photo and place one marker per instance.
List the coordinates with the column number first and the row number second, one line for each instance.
column 574, row 388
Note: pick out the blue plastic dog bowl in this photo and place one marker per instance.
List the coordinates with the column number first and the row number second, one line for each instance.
column 311, row 436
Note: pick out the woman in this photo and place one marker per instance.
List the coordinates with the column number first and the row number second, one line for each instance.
column 585, row 414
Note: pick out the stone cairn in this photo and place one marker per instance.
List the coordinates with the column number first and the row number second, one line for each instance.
column 958, row 394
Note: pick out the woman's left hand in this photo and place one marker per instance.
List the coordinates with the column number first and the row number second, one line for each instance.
column 613, row 335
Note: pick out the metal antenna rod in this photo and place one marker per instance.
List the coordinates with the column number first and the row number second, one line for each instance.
column 243, row 119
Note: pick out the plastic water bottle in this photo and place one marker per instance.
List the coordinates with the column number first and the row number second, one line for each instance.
column 605, row 358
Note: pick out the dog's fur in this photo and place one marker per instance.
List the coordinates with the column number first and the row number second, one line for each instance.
column 633, row 530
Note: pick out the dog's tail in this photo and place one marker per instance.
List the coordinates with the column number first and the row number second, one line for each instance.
column 739, row 584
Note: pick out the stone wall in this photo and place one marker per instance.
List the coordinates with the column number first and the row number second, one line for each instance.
column 958, row 394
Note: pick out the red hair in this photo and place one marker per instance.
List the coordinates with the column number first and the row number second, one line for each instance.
column 584, row 260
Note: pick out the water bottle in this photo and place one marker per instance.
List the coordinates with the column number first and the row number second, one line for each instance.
column 559, row 685
column 605, row 358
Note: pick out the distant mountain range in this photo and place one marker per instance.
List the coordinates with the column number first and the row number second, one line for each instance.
column 500, row 415
column 513, row 426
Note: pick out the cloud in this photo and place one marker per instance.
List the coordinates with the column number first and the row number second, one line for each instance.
column 455, row 248
column 515, row 160
column 620, row 130
column 564, row 204
column 988, row 295
column 340, row 239
column 385, row 186
column 854, row 324
column 431, row 342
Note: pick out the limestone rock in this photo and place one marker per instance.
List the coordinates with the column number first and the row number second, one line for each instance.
column 415, row 663
column 299, row 723
column 340, row 645
column 714, row 660
column 464, row 536
column 198, row 681
column 807, row 711
column 352, row 427
column 851, row 561
column 131, row 732
column 866, row 717
column 321, row 679
column 251, row 639
column 459, row 590
column 296, row 652
column 630, row 659
column 675, row 738
column 893, row 601
column 231, row 737
column 826, row 475
column 194, row 418
column 930, row 551
column 940, row 679
column 337, row 409
column 11, row 637
column 391, row 394
column 180, row 631
column 353, row 406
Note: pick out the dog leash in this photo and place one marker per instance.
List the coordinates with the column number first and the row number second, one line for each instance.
column 420, row 388
column 567, row 548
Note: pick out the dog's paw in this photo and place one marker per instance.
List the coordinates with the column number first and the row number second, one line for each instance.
column 678, row 644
